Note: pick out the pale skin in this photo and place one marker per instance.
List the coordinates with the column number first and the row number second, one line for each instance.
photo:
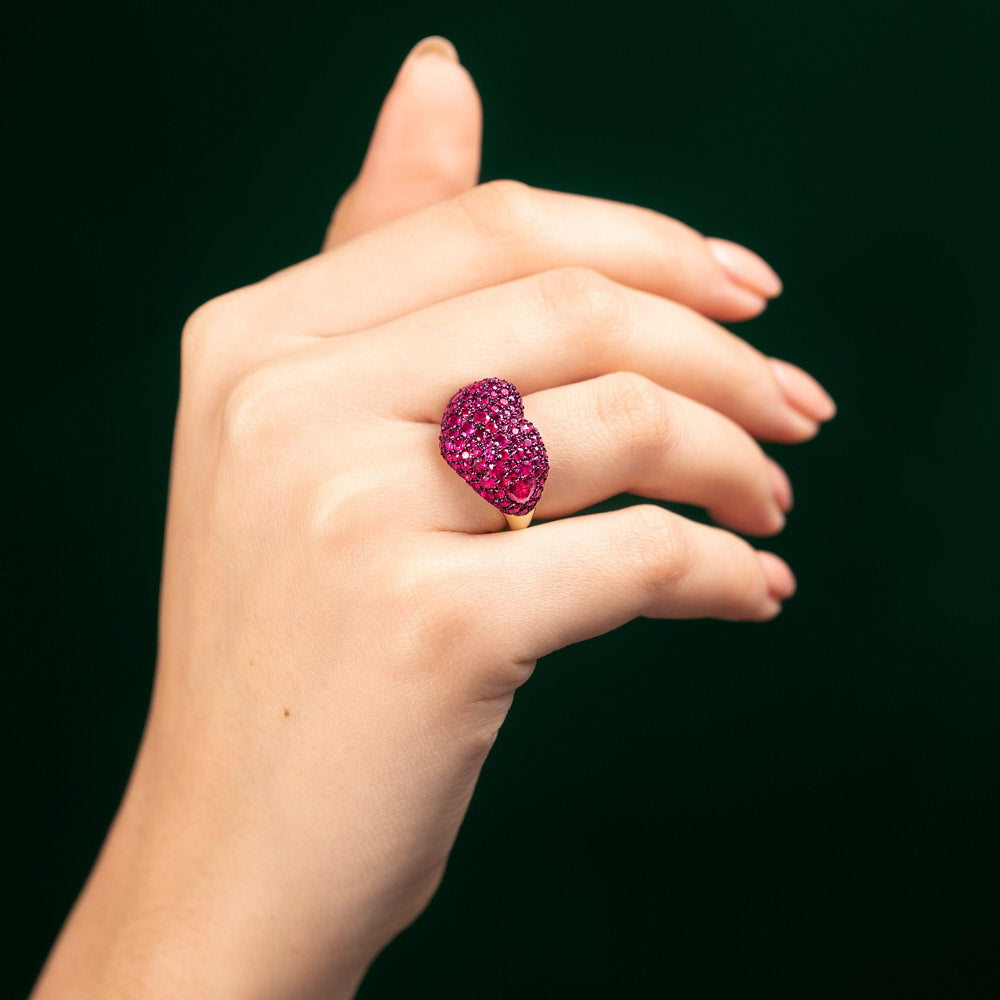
column 334, row 662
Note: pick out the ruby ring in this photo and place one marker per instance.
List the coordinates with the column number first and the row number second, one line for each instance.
column 488, row 442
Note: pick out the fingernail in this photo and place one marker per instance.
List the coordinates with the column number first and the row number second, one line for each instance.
column 782, row 486
column 779, row 522
column 745, row 268
column 802, row 391
column 780, row 579
column 800, row 427
column 433, row 45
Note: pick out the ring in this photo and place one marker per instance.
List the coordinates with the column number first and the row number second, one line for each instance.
column 487, row 441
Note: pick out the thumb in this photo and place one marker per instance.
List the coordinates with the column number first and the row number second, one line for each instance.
column 425, row 147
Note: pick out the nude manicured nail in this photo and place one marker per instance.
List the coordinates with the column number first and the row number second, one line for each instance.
column 802, row 391
column 745, row 268
column 781, row 485
column 772, row 609
column 433, row 45
column 780, row 579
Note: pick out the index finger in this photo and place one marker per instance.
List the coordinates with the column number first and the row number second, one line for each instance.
column 504, row 230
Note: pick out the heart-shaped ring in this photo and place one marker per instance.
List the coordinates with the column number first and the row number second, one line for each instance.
column 487, row 441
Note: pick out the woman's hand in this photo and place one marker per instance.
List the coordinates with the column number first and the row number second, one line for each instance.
column 344, row 624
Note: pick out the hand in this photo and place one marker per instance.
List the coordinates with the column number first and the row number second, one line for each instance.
column 343, row 624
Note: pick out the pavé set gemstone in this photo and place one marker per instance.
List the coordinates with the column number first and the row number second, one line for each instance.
column 487, row 441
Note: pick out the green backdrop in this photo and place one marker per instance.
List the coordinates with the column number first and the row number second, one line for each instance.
column 695, row 809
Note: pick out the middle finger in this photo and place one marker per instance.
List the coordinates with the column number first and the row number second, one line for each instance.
column 563, row 326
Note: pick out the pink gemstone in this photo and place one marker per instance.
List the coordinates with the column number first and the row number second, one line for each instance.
column 476, row 436
column 522, row 490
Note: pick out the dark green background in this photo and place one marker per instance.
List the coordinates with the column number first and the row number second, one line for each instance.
column 805, row 809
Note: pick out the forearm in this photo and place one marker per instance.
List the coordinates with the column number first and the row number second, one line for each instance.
column 174, row 909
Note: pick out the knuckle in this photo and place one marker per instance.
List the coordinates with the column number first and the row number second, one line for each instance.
column 661, row 547
column 205, row 335
column 635, row 407
column 439, row 169
column 503, row 211
column 583, row 301
column 250, row 410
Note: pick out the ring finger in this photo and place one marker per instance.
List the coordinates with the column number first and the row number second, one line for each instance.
column 622, row 433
